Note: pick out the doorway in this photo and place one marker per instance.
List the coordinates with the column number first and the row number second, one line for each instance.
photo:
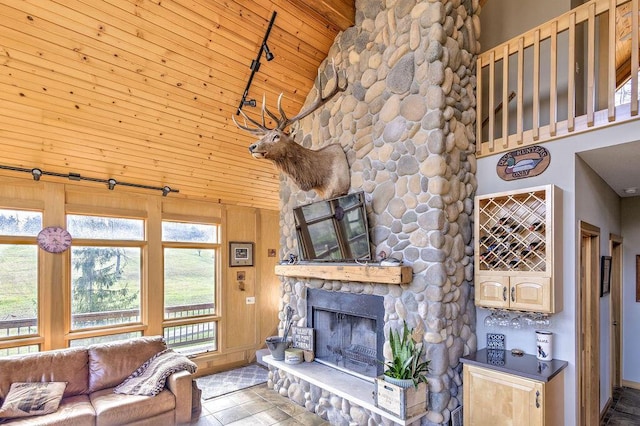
column 615, row 245
column 588, row 330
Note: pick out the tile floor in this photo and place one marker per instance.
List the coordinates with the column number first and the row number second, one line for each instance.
column 624, row 410
column 258, row 405
column 254, row 406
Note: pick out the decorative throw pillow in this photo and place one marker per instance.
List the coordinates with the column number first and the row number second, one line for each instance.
column 32, row 399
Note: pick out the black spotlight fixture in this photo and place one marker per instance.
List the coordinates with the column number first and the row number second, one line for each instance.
column 36, row 173
column 166, row 190
column 267, row 53
column 249, row 102
column 111, row 183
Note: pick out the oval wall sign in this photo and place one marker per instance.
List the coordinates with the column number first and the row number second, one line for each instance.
column 523, row 163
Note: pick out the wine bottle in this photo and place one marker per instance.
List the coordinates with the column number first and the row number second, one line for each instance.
column 536, row 245
column 513, row 262
column 536, row 227
column 506, row 221
column 498, row 231
column 487, row 241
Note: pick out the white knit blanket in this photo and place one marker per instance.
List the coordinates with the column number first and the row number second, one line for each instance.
column 149, row 379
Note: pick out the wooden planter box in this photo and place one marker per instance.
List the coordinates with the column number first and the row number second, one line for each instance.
column 403, row 403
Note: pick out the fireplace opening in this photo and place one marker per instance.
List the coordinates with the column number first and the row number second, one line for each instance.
column 348, row 331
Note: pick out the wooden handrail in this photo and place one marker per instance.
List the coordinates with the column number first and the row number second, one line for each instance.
column 548, row 66
column 499, row 107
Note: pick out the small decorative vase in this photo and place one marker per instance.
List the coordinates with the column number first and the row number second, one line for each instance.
column 402, row 383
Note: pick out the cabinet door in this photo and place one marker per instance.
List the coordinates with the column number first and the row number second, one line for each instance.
column 492, row 291
column 530, row 294
column 497, row 399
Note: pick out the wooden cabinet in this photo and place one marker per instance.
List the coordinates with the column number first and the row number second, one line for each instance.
column 494, row 398
column 517, row 250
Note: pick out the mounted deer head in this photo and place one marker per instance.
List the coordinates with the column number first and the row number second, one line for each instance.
column 325, row 170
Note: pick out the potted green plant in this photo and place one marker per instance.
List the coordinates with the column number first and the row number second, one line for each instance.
column 406, row 367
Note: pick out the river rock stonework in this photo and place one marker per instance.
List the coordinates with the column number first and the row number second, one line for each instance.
column 407, row 124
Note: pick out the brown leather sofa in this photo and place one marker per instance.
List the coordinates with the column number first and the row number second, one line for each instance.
column 91, row 374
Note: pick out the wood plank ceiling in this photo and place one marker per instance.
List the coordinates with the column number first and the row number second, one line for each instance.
column 623, row 43
column 143, row 90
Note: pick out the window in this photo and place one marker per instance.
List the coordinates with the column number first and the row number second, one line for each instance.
column 19, row 277
column 623, row 94
column 190, row 275
column 106, row 261
column 20, row 350
column 104, row 339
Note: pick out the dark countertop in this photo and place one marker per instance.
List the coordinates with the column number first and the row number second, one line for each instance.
column 525, row 366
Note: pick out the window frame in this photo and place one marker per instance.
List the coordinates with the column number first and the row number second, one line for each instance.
column 216, row 316
column 143, row 245
column 34, row 339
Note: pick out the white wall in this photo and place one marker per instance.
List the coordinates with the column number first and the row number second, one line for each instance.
column 598, row 205
column 562, row 172
column 630, row 308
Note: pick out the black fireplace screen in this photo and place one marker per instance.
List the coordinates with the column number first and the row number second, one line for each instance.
column 348, row 330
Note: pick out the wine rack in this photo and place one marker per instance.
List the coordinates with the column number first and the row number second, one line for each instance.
column 512, row 232
column 514, row 249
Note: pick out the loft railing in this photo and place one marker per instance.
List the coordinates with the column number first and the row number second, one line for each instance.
column 564, row 74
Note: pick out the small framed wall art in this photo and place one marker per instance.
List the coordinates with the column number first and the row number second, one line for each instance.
column 605, row 275
column 240, row 254
column 638, row 278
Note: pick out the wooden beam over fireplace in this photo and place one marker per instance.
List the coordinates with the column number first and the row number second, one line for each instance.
column 348, row 272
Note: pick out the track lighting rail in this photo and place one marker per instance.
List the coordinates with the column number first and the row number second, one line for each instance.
column 111, row 183
column 255, row 65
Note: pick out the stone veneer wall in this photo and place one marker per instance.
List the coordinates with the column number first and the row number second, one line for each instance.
column 407, row 124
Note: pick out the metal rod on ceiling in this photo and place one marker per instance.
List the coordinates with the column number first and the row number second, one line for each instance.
column 111, row 182
column 255, row 64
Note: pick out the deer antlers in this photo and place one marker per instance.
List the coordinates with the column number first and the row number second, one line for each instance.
column 283, row 121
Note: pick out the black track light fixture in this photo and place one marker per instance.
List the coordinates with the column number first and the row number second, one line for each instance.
column 111, row 183
column 166, row 190
column 36, row 173
column 267, row 52
column 249, row 102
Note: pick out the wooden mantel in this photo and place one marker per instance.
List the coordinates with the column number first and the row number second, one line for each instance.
column 349, row 272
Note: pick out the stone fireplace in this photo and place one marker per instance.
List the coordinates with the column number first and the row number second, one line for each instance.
column 407, row 124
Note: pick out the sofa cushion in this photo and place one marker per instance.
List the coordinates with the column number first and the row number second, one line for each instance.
column 32, row 399
column 117, row 409
column 62, row 365
column 72, row 411
column 111, row 363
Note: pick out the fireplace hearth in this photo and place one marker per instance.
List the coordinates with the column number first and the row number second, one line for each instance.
column 349, row 331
